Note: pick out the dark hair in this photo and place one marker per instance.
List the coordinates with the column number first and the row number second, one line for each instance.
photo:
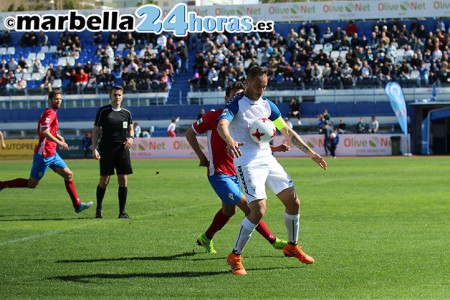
column 238, row 85
column 53, row 93
column 116, row 88
column 256, row 71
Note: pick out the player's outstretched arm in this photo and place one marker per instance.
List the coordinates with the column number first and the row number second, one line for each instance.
column 298, row 142
column 191, row 137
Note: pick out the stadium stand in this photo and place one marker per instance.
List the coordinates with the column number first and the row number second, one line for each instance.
column 344, row 74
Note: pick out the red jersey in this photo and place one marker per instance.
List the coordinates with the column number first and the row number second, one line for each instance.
column 48, row 120
column 220, row 162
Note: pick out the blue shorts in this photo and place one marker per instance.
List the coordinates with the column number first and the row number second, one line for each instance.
column 226, row 187
column 41, row 164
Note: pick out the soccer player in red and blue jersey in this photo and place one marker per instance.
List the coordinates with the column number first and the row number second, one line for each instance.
column 222, row 175
column 45, row 155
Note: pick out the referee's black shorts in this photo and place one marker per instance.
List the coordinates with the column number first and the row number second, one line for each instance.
column 115, row 157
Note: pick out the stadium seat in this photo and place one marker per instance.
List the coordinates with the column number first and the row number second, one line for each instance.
column 45, row 49
column 57, row 83
column 11, row 50
column 334, row 54
column 31, row 55
column 36, row 76
column 3, row 50
column 317, row 48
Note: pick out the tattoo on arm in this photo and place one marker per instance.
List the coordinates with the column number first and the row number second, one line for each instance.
column 300, row 144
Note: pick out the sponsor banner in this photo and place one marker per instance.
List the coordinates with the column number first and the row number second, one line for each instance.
column 349, row 145
column 165, row 147
column 19, row 148
column 75, row 150
column 397, row 100
column 277, row 12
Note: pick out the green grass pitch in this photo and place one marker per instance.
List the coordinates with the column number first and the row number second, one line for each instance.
column 377, row 227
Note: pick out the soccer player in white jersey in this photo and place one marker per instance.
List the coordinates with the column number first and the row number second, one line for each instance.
column 257, row 168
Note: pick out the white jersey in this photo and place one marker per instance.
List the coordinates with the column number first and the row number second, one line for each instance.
column 242, row 112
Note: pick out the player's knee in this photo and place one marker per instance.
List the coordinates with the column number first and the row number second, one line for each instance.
column 229, row 211
column 68, row 176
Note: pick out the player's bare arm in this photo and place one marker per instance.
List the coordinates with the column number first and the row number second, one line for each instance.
column 298, row 142
column 2, row 141
column 280, row 148
column 95, row 135
column 45, row 132
column 191, row 137
column 232, row 145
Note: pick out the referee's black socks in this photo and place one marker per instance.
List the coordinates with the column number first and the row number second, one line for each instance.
column 123, row 191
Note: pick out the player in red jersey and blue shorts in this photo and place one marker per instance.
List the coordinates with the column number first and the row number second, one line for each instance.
column 222, row 175
column 45, row 155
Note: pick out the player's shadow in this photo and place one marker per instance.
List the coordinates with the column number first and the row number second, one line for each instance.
column 88, row 278
column 28, row 218
column 145, row 258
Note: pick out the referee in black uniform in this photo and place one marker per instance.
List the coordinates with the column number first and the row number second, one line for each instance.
column 114, row 125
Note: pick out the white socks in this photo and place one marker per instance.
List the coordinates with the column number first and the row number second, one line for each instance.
column 292, row 223
column 245, row 232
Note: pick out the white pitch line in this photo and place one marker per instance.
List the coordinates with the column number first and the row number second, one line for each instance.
column 31, row 237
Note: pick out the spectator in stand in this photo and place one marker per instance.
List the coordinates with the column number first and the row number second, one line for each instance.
column 6, row 41
column 444, row 74
column 182, row 52
column 137, row 130
column 342, row 126
column 47, row 82
column 294, row 110
column 316, row 76
column 298, row 75
column 423, row 75
column 22, row 64
column 97, row 38
column 82, row 81
column 355, row 43
column 10, row 82
column 308, row 75
column 12, row 65
column 164, row 82
column 361, row 126
column 351, row 28
column 328, row 36
column 129, row 41
column 374, row 125
column 338, row 37
column 161, row 42
column 405, row 71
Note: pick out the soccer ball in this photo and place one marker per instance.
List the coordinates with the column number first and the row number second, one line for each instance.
column 332, row 135
column 262, row 130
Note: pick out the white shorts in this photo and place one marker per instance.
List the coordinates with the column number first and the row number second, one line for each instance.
column 262, row 172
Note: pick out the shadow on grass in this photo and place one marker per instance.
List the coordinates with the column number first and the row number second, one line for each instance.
column 168, row 257
column 28, row 218
column 88, row 278
column 200, row 256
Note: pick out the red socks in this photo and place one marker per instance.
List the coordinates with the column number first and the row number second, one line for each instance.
column 265, row 232
column 70, row 187
column 218, row 222
column 15, row 183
